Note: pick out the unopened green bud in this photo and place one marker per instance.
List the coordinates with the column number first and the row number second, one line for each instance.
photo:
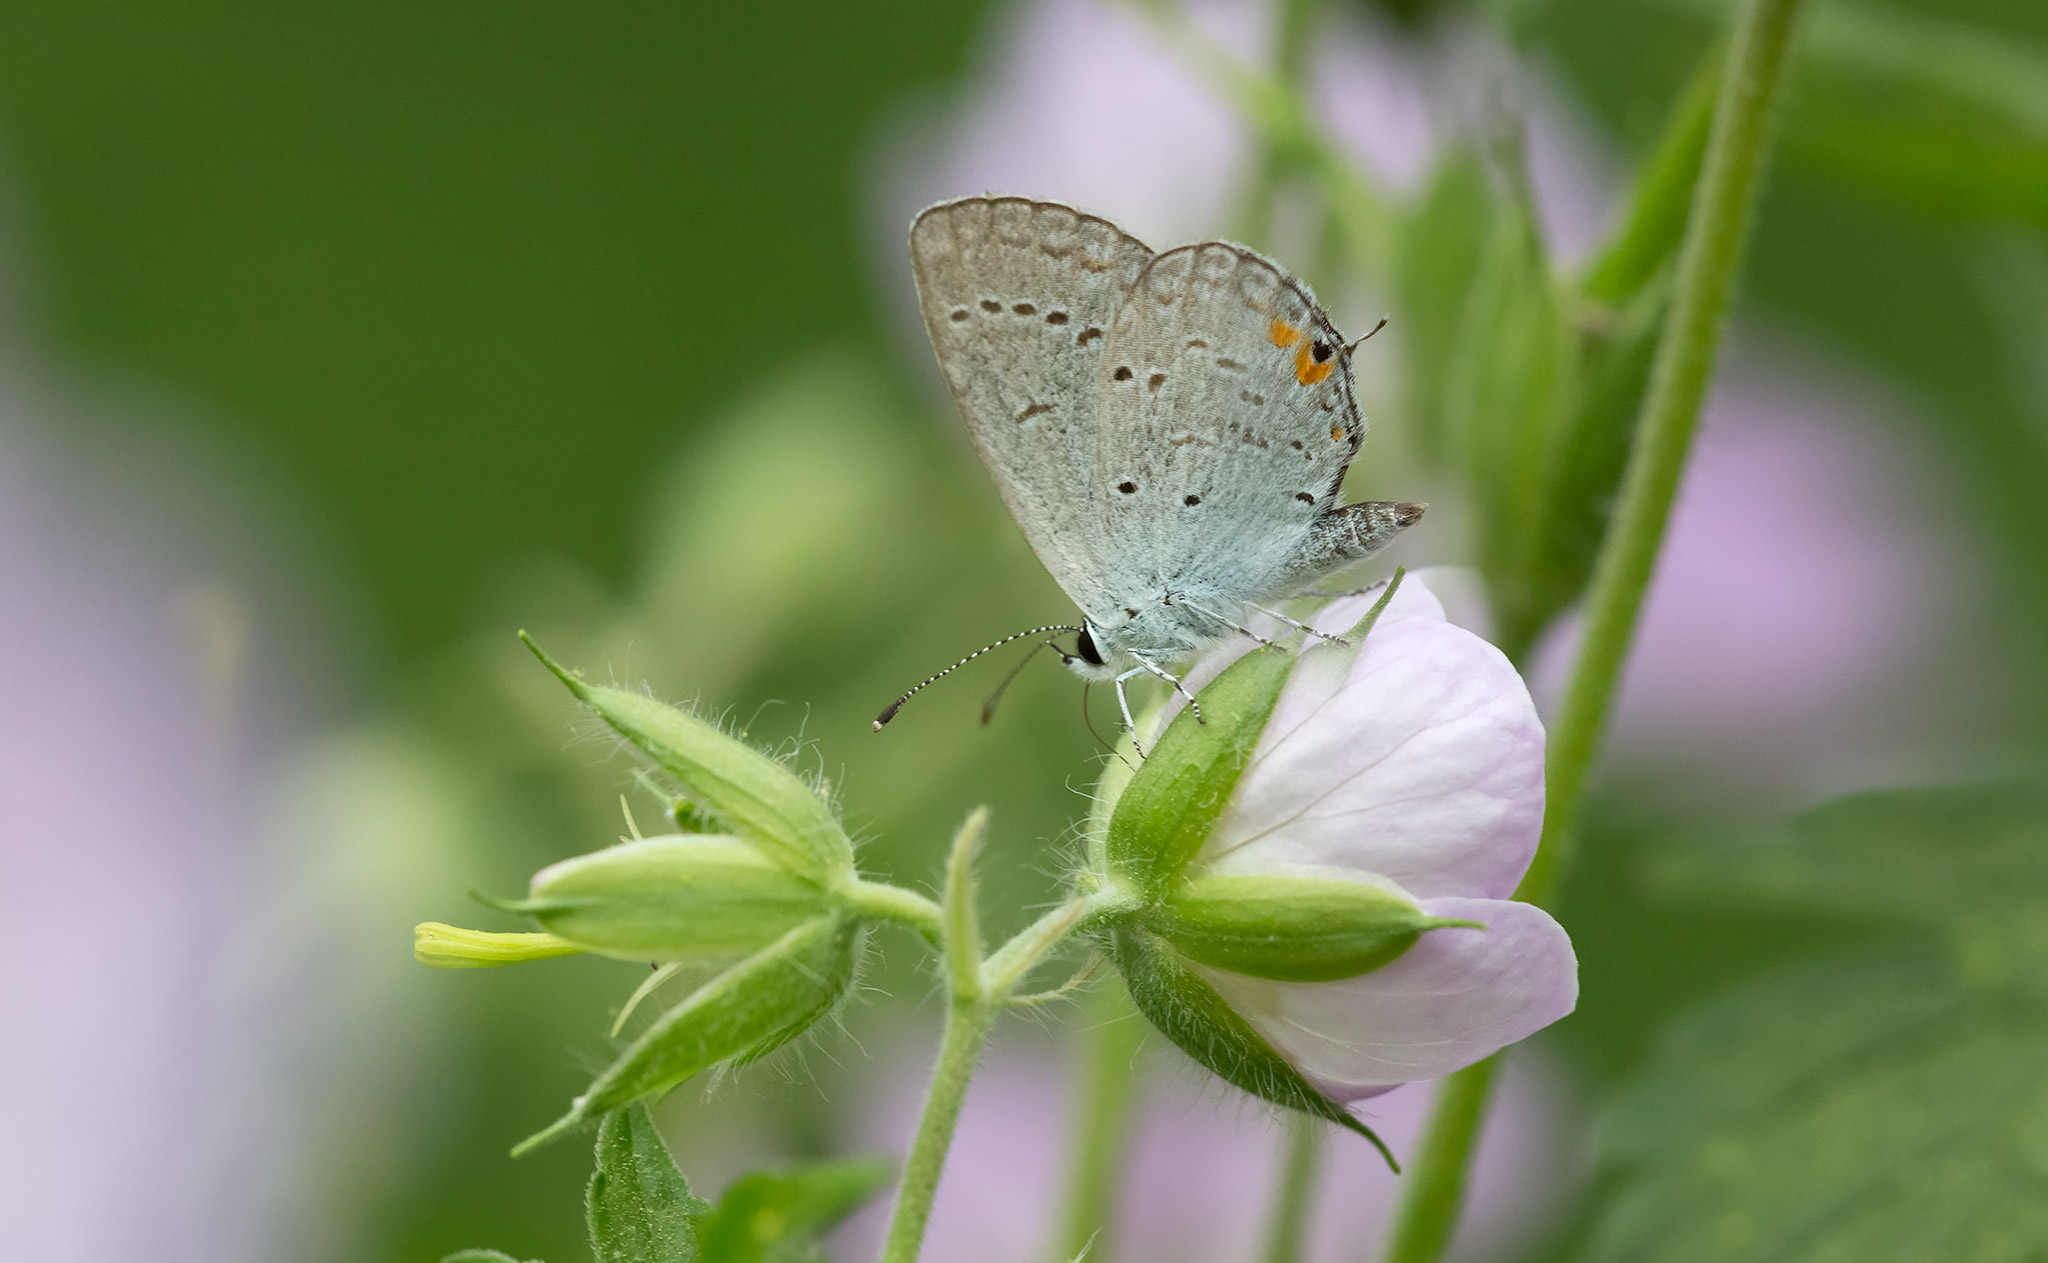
column 753, row 794
column 452, row 947
column 1292, row 927
column 693, row 897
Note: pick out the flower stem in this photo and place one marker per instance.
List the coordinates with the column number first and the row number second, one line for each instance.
column 1111, row 1038
column 1429, row 1212
column 1709, row 264
column 885, row 902
column 967, row 1025
column 1301, row 1163
column 976, row 990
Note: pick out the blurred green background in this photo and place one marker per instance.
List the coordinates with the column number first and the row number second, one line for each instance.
column 568, row 319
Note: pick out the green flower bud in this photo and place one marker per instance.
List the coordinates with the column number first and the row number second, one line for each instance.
column 1171, row 805
column 753, row 794
column 690, row 897
column 1292, row 927
column 743, row 1014
column 452, row 947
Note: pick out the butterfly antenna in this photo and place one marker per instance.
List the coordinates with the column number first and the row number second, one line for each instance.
column 1353, row 346
column 889, row 711
column 988, row 706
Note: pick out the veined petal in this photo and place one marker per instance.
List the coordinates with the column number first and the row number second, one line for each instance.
column 1412, row 599
column 1418, row 757
column 1454, row 998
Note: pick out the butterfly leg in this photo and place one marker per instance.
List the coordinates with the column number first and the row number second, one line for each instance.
column 1240, row 630
column 1177, row 687
column 1124, row 704
column 1320, row 595
column 1301, row 627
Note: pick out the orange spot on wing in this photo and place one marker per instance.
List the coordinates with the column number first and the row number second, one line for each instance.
column 1306, row 370
column 1282, row 333
column 1336, row 434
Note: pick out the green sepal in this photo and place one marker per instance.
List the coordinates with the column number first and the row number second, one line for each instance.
column 754, row 794
column 743, row 1014
column 777, row 1216
column 638, row 1207
column 1292, row 927
column 1190, row 1013
column 688, row 897
column 1171, row 805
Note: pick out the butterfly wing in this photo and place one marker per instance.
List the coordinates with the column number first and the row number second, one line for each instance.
column 1225, row 425
column 1018, row 297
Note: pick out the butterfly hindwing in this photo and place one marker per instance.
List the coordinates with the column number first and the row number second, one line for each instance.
column 1225, row 424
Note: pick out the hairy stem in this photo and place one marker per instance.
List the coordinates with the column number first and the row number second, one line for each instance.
column 977, row 990
column 1301, row 1162
column 967, row 1025
column 893, row 903
column 1709, row 264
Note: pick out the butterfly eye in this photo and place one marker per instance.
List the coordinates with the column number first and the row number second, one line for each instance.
column 1084, row 648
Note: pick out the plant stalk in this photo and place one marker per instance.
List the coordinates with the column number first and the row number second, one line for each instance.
column 967, row 1025
column 1709, row 265
column 1301, row 1162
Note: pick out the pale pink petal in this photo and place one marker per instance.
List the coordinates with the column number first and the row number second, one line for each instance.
column 1455, row 997
column 1412, row 600
column 1422, row 762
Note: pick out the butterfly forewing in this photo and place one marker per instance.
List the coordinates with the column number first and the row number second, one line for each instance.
column 1018, row 297
column 1224, row 424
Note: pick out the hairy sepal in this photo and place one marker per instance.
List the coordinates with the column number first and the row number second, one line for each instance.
column 1171, row 805
column 741, row 1015
column 752, row 793
column 1190, row 1013
column 1291, row 927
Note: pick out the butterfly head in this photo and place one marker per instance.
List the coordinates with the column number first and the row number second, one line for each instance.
column 1088, row 660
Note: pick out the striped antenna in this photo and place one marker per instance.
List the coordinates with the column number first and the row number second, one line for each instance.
column 889, row 711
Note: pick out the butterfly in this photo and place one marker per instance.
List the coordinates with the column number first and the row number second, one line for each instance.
column 1170, row 430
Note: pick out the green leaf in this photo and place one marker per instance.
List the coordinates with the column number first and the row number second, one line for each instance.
column 695, row 897
column 1442, row 238
column 1190, row 1013
column 1612, row 351
column 481, row 1256
column 1168, row 809
column 777, row 1216
column 741, row 1015
column 1881, row 1106
column 1291, row 928
column 639, row 1207
column 756, row 795
column 1934, row 856
column 1661, row 200
column 1920, row 106
column 1860, row 1111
